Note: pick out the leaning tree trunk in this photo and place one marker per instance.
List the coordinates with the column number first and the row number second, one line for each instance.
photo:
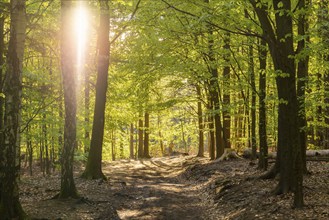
column 10, row 207
column 94, row 164
column 68, row 188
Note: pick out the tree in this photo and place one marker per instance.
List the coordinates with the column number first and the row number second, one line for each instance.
column 263, row 148
column 200, row 123
column 10, row 207
column 68, row 188
column 140, row 139
column 146, row 151
column 94, row 164
column 280, row 42
column 302, row 74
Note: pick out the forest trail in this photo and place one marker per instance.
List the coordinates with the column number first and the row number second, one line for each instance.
column 135, row 189
column 175, row 188
column 153, row 189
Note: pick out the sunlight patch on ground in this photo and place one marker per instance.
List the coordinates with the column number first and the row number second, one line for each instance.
column 129, row 213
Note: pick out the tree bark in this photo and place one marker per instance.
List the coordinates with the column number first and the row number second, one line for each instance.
column 200, row 124
column 94, row 164
column 253, row 99
column 146, row 153
column 226, row 95
column 289, row 151
column 10, row 207
column 140, row 139
column 323, row 32
column 302, row 74
column 2, row 62
column 131, row 146
column 87, row 112
column 263, row 147
column 68, row 188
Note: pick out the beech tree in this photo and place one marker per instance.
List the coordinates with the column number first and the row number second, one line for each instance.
column 68, row 188
column 281, row 47
column 10, row 207
column 94, row 164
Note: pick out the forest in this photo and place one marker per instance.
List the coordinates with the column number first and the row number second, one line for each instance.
column 164, row 109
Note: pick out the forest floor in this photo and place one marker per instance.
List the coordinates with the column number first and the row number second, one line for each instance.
column 175, row 188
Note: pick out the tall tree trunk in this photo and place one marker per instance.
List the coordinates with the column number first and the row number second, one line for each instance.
column 29, row 149
column 2, row 62
column 211, row 137
column 253, row 99
column 68, row 188
column 94, row 164
column 113, row 145
column 200, row 124
column 289, row 160
column 226, row 95
column 214, row 90
column 45, row 144
column 87, row 113
column 140, row 138
column 160, row 135
column 302, row 74
column 214, row 94
column 146, row 153
column 131, row 146
column 10, row 207
column 263, row 147
column 323, row 32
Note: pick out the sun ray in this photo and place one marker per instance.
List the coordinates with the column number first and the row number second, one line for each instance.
column 81, row 24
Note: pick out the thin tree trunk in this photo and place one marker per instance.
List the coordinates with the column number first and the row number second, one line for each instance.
column 146, row 153
column 253, row 99
column 200, row 124
column 211, row 137
column 113, row 145
column 94, row 164
column 2, row 62
column 131, row 146
column 87, row 113
column 68, row 188
column 323, row 32
column 160, row 134
column 263, row 147
column 226, row 95
column 302, row 74
column 140, row 139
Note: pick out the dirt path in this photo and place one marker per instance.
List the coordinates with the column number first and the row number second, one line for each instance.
column 175, row 188
column 146, row 189
column 152, row 189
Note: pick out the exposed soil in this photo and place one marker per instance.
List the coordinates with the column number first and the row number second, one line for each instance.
column 176, row 188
